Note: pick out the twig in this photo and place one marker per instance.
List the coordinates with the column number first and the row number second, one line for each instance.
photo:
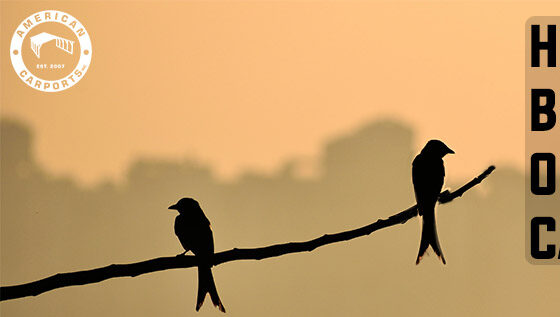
column 165, row 263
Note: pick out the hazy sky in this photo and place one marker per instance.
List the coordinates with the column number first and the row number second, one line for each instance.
column 250, row 85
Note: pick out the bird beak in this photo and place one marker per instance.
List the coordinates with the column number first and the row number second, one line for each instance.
column 450, row 151
column 173, row 207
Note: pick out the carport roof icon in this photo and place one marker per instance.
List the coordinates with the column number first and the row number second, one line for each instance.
column 38, row 40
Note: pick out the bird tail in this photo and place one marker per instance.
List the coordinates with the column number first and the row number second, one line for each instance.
column 206, row 285
column 429, row 237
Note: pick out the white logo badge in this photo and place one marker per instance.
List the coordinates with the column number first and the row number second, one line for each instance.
column 50, row 51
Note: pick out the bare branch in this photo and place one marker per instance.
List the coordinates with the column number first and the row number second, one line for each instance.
column 165, row 263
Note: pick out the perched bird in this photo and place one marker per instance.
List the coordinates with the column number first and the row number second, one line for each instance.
column 427, row 177
column 195, row 234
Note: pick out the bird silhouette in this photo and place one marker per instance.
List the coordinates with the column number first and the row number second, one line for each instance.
column 428, row 173
column 195, row 234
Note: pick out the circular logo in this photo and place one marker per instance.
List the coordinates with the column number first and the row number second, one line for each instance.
column 50, row 51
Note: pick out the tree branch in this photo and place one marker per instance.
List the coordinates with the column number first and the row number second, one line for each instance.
column 164, row 263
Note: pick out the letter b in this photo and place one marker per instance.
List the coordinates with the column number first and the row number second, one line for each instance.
column 547, row 109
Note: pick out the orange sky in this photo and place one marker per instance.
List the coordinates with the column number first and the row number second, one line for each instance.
column 250, row 85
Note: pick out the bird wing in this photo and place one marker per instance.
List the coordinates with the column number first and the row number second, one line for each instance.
column 427, row 178
column 195, row 235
